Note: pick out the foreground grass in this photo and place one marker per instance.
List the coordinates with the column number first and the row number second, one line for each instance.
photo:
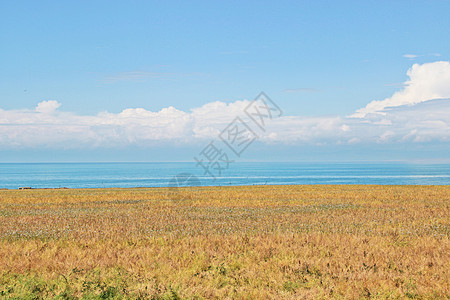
column 227, row 242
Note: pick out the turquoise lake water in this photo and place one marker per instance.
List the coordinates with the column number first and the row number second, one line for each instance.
column 97, row 175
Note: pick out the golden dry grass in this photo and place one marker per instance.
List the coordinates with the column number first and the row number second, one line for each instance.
column 289, row 242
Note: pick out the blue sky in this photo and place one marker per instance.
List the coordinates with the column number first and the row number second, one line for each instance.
column 316, row 59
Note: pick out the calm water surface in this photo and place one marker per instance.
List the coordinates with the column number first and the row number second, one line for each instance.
column 90, row 175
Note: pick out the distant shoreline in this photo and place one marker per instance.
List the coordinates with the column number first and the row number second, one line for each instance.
column 220, row 186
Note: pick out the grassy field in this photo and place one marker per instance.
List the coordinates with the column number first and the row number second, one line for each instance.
column 249, row 242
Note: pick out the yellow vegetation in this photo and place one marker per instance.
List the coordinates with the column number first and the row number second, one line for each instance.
column 351, row 241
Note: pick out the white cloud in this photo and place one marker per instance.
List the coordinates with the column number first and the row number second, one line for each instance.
column 45, row 126
column 409, row 116
column 411, row 56
column 426, row 82
column 48, row 107
column 414, row 56
column 49, row 127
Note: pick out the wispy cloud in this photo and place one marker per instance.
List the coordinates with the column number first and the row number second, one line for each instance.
column 302, row 90
column 233, row 52
column 135, row 76
column 414, row 56
column 411, row 56
column 143, row 76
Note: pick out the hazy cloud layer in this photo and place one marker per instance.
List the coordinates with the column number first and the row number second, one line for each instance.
column 419, row 113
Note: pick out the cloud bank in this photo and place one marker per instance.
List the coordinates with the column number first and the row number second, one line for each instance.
column 426, row 82
column 419, row 113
